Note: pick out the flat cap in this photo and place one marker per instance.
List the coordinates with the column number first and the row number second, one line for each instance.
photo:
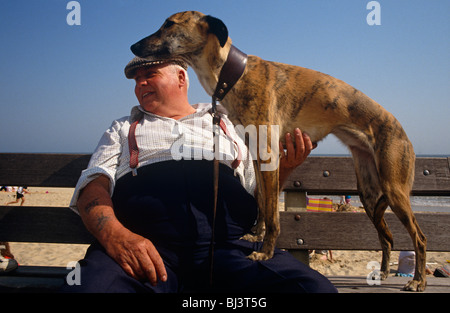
column 137, row 62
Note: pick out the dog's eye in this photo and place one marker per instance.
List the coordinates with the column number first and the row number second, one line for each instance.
column 167, row 24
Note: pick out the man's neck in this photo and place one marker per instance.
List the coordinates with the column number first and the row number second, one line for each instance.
column 180, row 114
column 176, row 112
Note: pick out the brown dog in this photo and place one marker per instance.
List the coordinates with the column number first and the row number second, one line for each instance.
column 270, row 93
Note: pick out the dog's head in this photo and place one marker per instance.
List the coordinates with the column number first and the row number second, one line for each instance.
column 182, row 35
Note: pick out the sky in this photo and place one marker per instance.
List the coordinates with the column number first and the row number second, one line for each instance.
column 62, row 85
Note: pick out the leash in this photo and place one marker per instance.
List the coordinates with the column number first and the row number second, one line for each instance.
column 230, row 73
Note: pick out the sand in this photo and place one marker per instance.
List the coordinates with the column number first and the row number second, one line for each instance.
column 343, row 263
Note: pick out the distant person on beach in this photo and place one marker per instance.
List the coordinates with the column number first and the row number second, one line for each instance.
column 346, row 199
column 153, row 221
column 19, row 196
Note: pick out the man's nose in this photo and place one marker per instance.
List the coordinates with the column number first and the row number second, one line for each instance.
column 141, row 81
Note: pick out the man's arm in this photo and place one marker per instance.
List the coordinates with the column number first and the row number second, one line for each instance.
column 294, row 156
column 134, row 253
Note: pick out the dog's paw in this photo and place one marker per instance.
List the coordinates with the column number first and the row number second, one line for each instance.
column 259, row 256
column 252, row 238
column 415, row 285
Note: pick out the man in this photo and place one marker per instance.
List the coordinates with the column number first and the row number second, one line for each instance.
column 152, row 216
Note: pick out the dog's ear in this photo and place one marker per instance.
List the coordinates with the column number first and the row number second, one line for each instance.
column 218, row 28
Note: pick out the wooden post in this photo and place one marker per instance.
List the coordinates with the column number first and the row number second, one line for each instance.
column 295, row 201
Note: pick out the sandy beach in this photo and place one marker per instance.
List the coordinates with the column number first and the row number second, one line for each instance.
column 345, row 263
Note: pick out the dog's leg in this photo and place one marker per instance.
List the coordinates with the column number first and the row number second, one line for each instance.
column 400, row 204
column 268, row 171
column 374, row 202
column 259, row 229
column 396, row 179
column 384, row 235
column 271, row 217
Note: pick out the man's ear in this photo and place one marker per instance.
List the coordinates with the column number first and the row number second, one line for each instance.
column 218, row 28
column 182, row 77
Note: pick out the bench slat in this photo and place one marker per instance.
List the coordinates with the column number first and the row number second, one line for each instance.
column 42, row 224
column 324, row 230
column 41, row 170
column 432, row 176
column 354, row 231
column 63, row 170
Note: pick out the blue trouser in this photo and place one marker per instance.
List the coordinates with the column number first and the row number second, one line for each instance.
column 170, row 203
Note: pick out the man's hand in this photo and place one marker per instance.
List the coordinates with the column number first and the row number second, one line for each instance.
column 135, row 254
column 294, row 156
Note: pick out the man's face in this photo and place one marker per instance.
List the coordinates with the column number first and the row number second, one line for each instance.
column 155, row 87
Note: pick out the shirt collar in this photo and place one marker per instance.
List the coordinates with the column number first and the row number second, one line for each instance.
column 137, row 111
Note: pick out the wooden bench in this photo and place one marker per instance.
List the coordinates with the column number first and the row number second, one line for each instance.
column 300, row 230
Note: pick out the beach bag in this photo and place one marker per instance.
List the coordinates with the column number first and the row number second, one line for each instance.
column 443, row 271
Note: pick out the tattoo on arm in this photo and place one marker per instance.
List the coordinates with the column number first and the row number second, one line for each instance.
column 91, row 205
column 101, row 221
